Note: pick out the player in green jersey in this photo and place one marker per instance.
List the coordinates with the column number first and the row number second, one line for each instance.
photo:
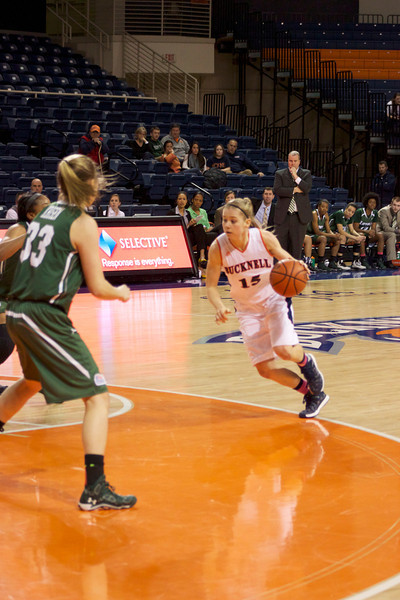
column 320, row 233
column 364, row 222
column 29, row 205
column 341, row 222
column 61, row 247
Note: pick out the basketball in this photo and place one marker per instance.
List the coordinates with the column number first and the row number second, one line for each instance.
column 288, row 277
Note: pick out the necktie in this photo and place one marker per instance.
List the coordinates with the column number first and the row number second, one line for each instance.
column 394, row 222
column 292, row 206
column 265, row 219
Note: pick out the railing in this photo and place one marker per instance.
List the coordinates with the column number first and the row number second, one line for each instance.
column 78, row 23
column 66, row 28
column 169, row 17
column 155, row 76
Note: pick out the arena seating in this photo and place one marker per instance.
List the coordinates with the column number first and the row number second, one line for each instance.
column 37, row 128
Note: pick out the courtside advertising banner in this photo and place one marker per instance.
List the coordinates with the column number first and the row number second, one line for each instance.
column 145, row 245
column 143, row 248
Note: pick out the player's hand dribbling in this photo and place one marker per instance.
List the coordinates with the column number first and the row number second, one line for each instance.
column 221, row 316
column 125, row 293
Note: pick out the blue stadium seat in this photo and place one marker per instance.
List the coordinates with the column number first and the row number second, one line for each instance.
column 9, row 163
column 160, row 210
column 16, row 149
column 29, row 163
column 50, row 163
column 324, row 192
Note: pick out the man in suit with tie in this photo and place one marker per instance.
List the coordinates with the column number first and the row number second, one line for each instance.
column 293, row 208
column 264, row 210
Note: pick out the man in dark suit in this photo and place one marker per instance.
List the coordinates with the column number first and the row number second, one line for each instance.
column 293, row 208
column 264, row 210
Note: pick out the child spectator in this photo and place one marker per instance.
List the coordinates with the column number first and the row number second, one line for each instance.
column 174, row 166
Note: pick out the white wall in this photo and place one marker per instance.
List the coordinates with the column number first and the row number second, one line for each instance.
column 192, row 55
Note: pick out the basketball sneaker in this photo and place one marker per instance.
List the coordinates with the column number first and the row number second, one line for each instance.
column 332, row 266
column 314, row 403
column 313, row 376
column 341, row 266
column 102, row 495
column 357, row 266
column 380, row 264
column 321, row 266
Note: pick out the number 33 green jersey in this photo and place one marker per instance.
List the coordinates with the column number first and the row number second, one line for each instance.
column 49, row 268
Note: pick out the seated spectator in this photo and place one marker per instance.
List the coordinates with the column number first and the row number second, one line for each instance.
column 341, row 222
column 240, row 164
column 364, row 222
column 389, row 225
column 229, row 195
column 168, row 156
column 219, row 160
column 94, row 146
column 12, row 213
column 113, row 208
column 36, row 186
column 194, row 159
column 264, row 210
column 201, row 217
column 320, row 232
column 180, row 145
column 155, row 144
column 196, row 232
column 139, row 145
column 384, row 183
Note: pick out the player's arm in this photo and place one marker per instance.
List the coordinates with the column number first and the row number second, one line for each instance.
column 328, row 231
column 356, row 233
column 12, row 241
column 84, row 237
column 213, row 273
column 346, row 234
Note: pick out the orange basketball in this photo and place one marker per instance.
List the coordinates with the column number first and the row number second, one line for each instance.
column 288, row 277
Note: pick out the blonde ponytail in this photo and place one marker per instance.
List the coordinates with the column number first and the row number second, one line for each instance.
column 79, row 180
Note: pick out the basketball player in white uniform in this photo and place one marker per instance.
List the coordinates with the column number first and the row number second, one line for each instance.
column 247, row 254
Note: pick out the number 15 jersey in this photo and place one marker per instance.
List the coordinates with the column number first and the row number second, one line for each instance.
column 248, row 271
column 49, row 268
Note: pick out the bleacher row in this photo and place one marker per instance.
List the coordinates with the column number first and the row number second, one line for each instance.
column 31, row 63
column 375, row 36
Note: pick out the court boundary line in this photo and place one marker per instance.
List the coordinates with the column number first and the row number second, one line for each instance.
column 127, row 405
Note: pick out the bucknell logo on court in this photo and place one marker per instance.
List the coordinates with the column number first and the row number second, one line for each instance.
column 326, row 336
column 106, row 243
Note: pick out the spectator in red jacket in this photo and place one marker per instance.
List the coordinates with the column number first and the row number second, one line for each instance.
column 93, row 145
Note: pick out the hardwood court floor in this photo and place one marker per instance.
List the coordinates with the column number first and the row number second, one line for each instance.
column 237, row 497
